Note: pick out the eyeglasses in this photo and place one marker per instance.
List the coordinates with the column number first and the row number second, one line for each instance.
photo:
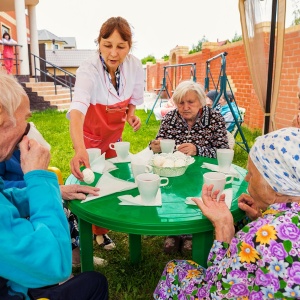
column 116, row 110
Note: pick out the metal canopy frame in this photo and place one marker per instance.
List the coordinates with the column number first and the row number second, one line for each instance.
column 223, row 81
column 164, row 82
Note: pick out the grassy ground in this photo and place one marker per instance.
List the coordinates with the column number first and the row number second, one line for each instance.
column 126, row 282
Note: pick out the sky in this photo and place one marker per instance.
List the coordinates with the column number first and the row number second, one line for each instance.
column 158, row 25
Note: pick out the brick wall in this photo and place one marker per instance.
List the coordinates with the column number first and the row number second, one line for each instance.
column 239, row 76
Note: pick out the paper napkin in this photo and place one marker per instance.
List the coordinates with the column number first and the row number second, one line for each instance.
column 118, row 160
column 108, row 185
column 213, row 167
column 98, row 162
column 137, row 201
column 228, row 198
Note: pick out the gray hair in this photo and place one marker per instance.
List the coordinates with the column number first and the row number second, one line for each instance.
column 187, row 86
column 11, row 93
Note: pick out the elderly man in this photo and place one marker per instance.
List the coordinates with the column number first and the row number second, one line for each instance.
column 35, row 251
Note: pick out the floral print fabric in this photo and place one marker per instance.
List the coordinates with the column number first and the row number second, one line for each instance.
column 261, row 262
column 208, row 133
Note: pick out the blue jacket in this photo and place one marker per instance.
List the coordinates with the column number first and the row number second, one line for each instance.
column 34, row 234
column 11, row 172
column 228, row 117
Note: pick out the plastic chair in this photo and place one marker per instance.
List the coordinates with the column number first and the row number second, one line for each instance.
column 58, row 174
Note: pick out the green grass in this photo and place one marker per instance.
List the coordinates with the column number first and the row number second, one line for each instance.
column 126, row 282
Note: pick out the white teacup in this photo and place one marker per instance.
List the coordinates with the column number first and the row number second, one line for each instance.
column 121, row 148
column 148, row 185
column 218, row 180
column 34, row 134
column 167, row 145
column 225, row 157
column 139, row 168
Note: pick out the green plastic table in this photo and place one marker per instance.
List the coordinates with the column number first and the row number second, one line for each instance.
column 174, row 217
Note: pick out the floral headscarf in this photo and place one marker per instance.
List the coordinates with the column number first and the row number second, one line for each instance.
column 276, row 155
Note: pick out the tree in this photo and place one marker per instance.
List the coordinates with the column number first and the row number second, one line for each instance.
column 296, row 13
column 149, row 58
column 198, row 47
column 236, row 38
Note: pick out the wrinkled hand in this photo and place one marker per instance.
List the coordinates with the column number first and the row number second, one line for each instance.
column 187, row 148
column 155, row 146
column 217, row 212
column 34, row 156
column 77, row 191
column 80, row 158
column 134, row 122
column 247, row 204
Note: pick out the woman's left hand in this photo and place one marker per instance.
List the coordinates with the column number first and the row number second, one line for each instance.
column 217, row 212
column 134, row 122
column 187, row 148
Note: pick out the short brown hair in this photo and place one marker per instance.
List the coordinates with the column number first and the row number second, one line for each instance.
column 119, row 24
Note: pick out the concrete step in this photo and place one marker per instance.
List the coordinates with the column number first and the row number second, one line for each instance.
column 52, row 92
column 45, row 88
column 63, row 107
column 41, row 84
column 56, row 97
column 60, row 101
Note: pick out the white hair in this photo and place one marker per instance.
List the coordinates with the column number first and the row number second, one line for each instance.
column 11, row 93
column 187, row 86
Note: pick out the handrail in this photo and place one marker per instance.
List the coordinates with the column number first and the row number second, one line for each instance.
column 16, row 54
column 66, row 81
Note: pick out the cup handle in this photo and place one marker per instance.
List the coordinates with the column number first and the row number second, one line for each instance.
column 148, row 169
column 112, row 146
column 230, row 180
column 164, row 183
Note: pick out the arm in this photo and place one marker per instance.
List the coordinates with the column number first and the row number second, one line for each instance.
column 217, row 212
column 44, row 233
column 76, row 131
column 133, row 120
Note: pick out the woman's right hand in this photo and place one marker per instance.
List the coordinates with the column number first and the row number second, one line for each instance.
column 80, row 158
column 247, row 204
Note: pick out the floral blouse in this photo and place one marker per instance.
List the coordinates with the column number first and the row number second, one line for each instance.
column 261, row 262
column 208, row 133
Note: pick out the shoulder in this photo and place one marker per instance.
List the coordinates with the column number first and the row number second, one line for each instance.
column 132, row 61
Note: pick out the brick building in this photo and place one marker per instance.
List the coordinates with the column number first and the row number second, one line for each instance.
column 238, row 75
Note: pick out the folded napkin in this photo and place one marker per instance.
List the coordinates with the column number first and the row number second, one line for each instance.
column 213, row 167
column 142, row 157
column 108, row 185
column 228, row 198
column 137, row 201
column 98, row 162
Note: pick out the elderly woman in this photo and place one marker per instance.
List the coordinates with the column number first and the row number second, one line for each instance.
column 262, row 260
column 196, row 129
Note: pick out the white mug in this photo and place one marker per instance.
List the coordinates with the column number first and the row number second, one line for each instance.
column 148, row 185
column 218, row 180
column 139, row 168
column 167, row 145
column 121, row 148
column 225, row 157
column 34, row 134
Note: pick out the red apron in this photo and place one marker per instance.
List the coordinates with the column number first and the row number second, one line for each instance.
column 104, row 124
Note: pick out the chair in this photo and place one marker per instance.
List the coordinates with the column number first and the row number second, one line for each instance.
column 231, row 140
column 58, row 173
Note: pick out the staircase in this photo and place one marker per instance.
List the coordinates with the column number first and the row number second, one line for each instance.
column 42, row 95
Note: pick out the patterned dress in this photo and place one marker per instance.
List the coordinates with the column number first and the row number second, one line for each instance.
column 261, row 262
column 208, row 133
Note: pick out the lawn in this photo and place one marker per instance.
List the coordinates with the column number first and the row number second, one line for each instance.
column 126, row 282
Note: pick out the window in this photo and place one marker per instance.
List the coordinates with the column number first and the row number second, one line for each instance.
column 4, row 29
